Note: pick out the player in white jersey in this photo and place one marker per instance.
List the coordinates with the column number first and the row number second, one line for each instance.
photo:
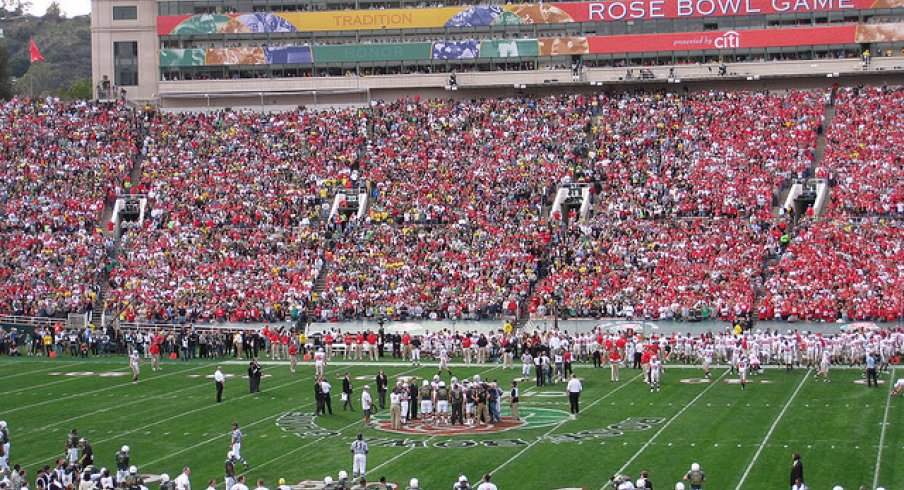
column 899, row 387
column 319, row 362
column 743, row 365
column 708, row 353
column 788, row 354
column 133, row 363
column 444, row 361
column 824, row 365
column 655, row 373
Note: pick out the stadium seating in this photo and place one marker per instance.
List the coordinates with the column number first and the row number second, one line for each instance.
column 459, row 222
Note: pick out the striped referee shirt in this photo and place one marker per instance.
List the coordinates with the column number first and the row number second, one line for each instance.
column 359, row 447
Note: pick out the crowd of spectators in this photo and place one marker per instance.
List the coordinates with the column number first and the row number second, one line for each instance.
column 865, row 152
column 59, row 163
column 459, row 221
column 239, row 200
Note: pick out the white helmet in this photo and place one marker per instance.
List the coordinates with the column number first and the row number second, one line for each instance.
column 328, row 479
column 133, row 469
column 164, row 478
column 435, row 377
column 125, row 449
column 442, row 384
column 343, row 475
column 426, row 383
column 837, row 487
column 413, row 483
column 230, row 454
column 2, row 424
column 679, row 486
column 695, row 467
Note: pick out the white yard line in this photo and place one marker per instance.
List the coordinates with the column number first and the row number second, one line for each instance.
column 550, row 431
column 252, row 424
column 666, row 426
column 26, row 373
column 891, row 385
column 61, row 379
column 778, row 419
column 181, row 414
column 122, row 384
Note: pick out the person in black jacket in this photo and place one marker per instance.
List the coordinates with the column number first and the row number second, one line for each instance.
column 347, row 393
column 382, row 387
column 254, row 376
column 318, row 397
column 797, row 470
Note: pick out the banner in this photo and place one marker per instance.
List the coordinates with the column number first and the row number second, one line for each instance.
column 351, row 53
column 521, row 14
column 532, row 48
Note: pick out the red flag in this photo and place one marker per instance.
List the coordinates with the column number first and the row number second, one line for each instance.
column 35, row 54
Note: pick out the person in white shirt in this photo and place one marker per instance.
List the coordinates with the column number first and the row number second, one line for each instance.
column 182, row 481
column 367, row 405
column 220, row 379
column 212, row 485
column 486, row 484
column 133, row 363
column 574, row 390
column 282, row 485
column 260, row 485
column 240, row 483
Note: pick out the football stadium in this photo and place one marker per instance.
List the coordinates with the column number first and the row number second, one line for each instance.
column 368, row 244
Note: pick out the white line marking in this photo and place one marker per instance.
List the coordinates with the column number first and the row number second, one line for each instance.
column 182, row 414
column 778, row 419
column 667, row 424
column 95, row 392
column 112, row 407
column 882, row 436
column 214, row 438
column 534, row 443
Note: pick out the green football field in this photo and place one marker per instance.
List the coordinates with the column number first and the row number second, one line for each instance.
column 847, row 434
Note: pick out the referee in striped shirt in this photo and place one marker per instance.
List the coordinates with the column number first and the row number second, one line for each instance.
column 359, row 464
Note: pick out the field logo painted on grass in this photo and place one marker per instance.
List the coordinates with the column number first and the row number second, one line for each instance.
column 532, row 418
column 302, row 425
column 319, row 485
column 633, row 424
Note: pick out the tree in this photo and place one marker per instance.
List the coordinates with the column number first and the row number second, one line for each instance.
column 79, row 90
column 5, row 85
column 54, row 11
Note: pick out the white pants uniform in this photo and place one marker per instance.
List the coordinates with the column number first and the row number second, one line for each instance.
column 442, row 406
column 426, row 406
column 237, row 451
column 4, row 460
column 318, row 367
column 73, row 455
column 121, row 474
column 415, row 355
column 525, row 370
column 359, row 465
column 230, row 482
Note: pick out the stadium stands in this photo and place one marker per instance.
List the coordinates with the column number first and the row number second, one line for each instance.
column 459, row 221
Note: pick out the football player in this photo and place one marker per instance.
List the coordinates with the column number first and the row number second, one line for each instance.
column 122, row 463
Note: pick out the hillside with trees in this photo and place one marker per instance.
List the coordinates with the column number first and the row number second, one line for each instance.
column 65, row 45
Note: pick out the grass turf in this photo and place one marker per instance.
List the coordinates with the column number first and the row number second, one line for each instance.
column 742, row 439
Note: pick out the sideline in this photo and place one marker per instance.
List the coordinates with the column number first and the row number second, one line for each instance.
column 778, row 419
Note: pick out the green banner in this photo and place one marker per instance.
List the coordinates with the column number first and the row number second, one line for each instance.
column 512, row 48
column 372, row 52
column 182, row 57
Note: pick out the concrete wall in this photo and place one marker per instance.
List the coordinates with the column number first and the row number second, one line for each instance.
column 105, row 31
